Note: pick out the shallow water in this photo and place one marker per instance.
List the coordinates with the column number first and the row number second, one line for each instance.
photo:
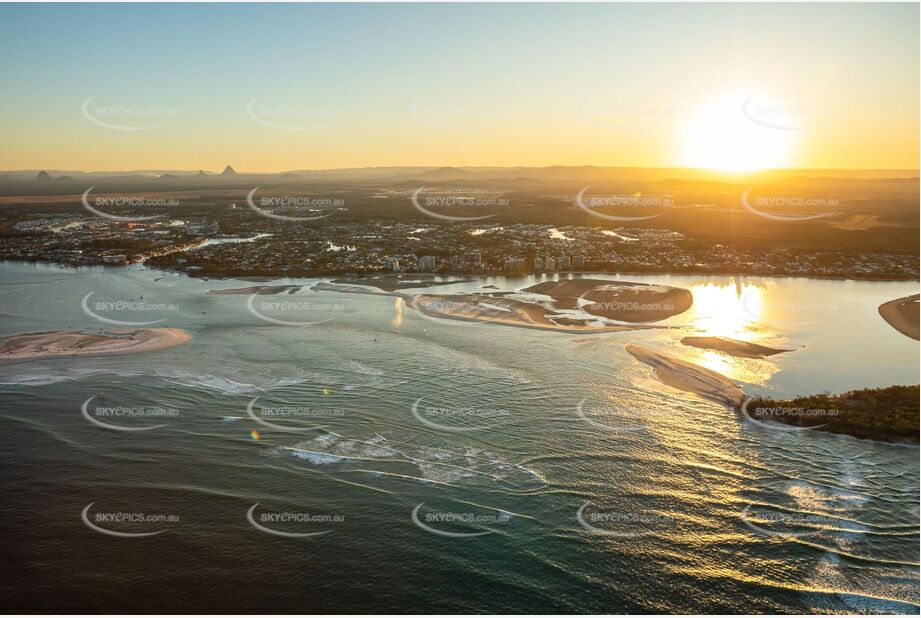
column 566, row 477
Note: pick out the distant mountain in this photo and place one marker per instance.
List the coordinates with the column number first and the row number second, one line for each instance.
column 43, row 176
column 228, row 171
column 445, row 173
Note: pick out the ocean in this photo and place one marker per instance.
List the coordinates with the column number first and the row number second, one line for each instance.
column 332, row 452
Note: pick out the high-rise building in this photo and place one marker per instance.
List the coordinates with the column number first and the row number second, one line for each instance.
column 538, row 263
column 549, row 264
column 564, row 262
column 578, row 261
column 427, row 263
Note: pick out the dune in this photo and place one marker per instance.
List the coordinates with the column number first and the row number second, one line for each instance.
column 623, row 301
column 689, row 377
column 61, row 344
column 902, row 315
column 732, row 347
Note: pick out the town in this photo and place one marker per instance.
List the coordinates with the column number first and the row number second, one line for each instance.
column 242, row 244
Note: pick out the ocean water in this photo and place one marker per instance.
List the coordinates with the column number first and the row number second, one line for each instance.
column 328, row 452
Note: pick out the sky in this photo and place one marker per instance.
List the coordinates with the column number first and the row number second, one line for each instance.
column 315, row 86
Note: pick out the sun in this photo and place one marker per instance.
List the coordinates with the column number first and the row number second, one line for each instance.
column 723, row 135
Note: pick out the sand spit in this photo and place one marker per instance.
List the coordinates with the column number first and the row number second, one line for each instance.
column 689, row 377
column 732, row 347
column 262, row 290
column 617, row 300
column 392, row 283
column 506, row 312
column 60, row 344
column 902, row 315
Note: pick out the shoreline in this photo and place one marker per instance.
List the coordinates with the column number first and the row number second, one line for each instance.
column 267, row 278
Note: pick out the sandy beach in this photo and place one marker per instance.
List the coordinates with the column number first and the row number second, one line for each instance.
column 60, row 344
column 689, row 377
column 732, row 347
column 623, row 301
column 902, row 315
column 504, row 311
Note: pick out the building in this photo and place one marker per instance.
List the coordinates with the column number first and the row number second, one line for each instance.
column 538, row 264
column 550, row 264
column 564, row 262
column 578, row 261
column 427, row 263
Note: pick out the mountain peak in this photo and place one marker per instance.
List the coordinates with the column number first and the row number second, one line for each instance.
column 43, row 175
column 228, row 171
column 201, row 173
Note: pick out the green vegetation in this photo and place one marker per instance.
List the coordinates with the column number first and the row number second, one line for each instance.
column 887, row 414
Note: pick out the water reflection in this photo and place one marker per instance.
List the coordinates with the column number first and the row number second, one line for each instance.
column 398, row 315
column 718, row 310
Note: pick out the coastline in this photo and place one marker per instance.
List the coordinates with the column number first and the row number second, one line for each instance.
column 267, row 278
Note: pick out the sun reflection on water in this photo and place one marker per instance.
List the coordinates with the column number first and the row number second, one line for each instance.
column 733, row 311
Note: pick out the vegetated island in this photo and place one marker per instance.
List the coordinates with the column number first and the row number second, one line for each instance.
column 886, row 414
column 902, row 315
column 689, row 377
column 61, row 344
column 732, row 347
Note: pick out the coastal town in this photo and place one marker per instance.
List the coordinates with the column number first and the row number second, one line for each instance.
column 240, row 246
column 206, row 245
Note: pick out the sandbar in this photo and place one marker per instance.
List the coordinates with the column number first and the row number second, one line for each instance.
column 732, row 347
column 689, row 377
column 262, row 290
column 60, row 344
column 623, row 301
column 505, row 311
column 902, row 315
column 392, row 283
